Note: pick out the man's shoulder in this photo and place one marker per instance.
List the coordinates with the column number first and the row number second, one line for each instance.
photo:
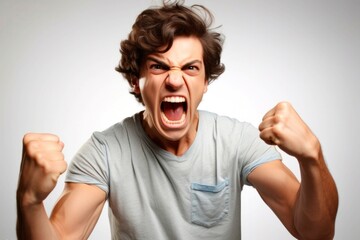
column 125, row 127
column 226, row 121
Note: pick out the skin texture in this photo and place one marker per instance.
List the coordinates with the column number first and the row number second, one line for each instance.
column 307, row 209
column 178, row 72
column 79, row 207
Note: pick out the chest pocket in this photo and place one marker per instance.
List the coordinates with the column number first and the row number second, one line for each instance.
column 209, row 203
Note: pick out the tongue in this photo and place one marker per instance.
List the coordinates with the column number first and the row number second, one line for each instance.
column 173, row 111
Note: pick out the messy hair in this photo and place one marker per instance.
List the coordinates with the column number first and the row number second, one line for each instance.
column 155, row 30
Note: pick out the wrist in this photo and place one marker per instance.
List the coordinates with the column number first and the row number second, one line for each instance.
column 313, row 158
column 312, row 152
column 26, row 200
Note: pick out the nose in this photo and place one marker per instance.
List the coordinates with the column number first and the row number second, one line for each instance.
column 174, row 79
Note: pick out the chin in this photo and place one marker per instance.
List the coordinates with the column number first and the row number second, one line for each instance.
column 174, row 136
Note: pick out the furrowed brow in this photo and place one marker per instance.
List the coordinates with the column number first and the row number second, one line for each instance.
column 191, row 63
column 162, row 63
column 158, row 62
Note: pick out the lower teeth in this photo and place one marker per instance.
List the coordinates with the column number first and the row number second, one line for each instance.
column 181, row 120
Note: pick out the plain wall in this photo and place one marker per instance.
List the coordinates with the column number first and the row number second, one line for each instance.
column 57, row 75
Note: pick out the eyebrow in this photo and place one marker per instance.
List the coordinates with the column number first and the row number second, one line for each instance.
column 167, row 66
column 158, row 61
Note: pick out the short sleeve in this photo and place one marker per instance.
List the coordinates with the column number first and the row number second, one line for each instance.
column 90, row 164
column 254, row 152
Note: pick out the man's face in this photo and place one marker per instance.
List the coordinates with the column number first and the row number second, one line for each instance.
column 172, row 85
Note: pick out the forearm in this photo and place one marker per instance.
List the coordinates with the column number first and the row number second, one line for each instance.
column 317, row 202
column 33, row 222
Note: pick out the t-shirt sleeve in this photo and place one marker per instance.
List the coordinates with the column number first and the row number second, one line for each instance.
column 254, row 152
column 90, row 164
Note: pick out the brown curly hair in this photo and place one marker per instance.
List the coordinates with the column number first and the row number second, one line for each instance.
column 157, row 27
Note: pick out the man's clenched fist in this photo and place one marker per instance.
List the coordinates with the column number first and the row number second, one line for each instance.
column 282, row 126
column 42, row 164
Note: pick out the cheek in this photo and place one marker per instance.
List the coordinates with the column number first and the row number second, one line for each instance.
column 141, row 84
column 149, row 92
column 198, row 95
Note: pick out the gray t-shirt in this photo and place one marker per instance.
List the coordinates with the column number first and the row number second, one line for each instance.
column 154, row 194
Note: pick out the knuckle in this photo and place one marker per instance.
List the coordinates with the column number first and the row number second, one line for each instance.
column 27, row 138
column 283, row 105
column 277, row 129
column 31, row 148
column 46, row 167
column 39, row 159
column 32, row 145
column 55, row 137
column 279, row 119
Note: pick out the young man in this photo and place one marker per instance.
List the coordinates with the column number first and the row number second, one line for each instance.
column 172, row 171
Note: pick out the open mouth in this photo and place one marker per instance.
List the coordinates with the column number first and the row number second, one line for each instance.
column 173, row 110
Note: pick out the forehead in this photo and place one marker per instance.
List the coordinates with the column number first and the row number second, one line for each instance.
column 184, row 49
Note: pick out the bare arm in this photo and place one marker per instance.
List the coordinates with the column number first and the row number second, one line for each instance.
column 77, row 211
column 279, row 189
column 79, row 207
column 308, row 210
column 318, row 198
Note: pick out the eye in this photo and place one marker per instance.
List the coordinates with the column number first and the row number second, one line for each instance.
column 157, row 68
column 191, row 70
column 194, row 68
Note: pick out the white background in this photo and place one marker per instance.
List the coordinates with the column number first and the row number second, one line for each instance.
column 57, row 75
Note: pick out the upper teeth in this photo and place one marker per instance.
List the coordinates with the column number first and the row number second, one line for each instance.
column 174, row 99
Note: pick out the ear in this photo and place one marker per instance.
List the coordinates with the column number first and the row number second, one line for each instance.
column 135, row 85
column 206, row 86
